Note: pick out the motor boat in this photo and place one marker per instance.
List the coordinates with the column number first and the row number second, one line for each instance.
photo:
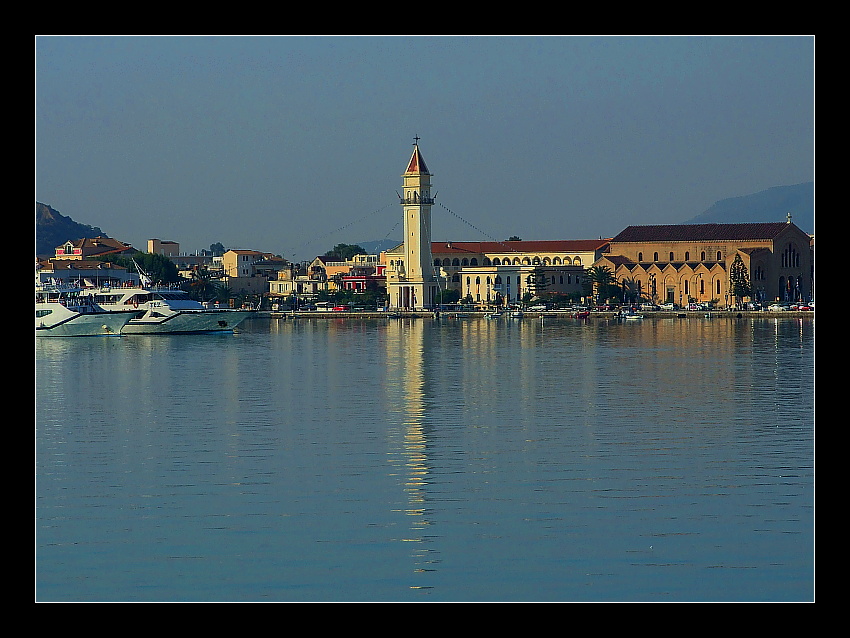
column 165, row 310
column 64, row 311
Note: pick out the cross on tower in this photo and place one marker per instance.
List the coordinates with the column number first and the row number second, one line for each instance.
column 416, row 140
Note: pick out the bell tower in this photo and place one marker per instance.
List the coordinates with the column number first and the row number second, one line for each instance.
column 417, row 285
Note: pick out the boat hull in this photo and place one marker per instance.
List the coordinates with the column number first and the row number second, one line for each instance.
column 188, row 322
column 73, row 324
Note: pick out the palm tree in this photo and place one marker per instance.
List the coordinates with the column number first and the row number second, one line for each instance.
column 600, row 278
column 631, row 289
column 201, row 286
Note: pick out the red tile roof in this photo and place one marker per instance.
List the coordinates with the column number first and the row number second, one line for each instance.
column 417, row 164
column 521, row 246
column 701, row 232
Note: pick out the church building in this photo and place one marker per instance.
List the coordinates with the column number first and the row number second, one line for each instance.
column 484, row 272
column 411, row 281
column 683, row 263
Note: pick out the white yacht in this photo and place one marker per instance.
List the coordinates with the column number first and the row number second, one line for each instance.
column 64, row 311
column 161, row 310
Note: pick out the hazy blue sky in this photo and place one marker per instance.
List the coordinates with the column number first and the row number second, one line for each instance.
column 294, row 144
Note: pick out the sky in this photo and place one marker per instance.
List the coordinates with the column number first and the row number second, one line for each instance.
column 293, row 144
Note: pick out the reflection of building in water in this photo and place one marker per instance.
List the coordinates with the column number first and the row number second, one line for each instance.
column 405, row 385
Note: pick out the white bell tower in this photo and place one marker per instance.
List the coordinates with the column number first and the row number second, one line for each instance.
column 416, row 286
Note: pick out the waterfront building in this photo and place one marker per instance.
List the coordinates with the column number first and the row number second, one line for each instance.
column 501, row 273
column 92, row 273
column 682, row 263
column 251, row 271
column 411, row 281
column 292, row 281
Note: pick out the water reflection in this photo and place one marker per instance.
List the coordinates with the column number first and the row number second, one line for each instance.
column 405, row 386
column 328, row 459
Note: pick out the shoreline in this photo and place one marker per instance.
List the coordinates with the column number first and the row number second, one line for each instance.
column 553, row 314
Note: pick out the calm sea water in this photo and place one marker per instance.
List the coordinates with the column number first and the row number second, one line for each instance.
column 421, row 460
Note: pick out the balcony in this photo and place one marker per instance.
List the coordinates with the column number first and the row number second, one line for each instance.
column 416, row 200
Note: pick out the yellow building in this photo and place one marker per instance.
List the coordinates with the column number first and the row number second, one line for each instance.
column 163, row 247
column 685, row 263
column 411, row 281
column 493, row 272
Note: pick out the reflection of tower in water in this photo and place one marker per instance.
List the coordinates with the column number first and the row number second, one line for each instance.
column 405, row 386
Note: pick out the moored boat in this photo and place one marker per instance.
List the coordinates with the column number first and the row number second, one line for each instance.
column 630, row 315
column 162, row 310
column 66, row 312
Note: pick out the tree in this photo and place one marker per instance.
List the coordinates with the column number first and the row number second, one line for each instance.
column 739, row 280
column 343, row 252
column 537, row 282
column 159, row 268
column 514, row 238
column 448, row 296
column 631, row 290
column 601, row 279
column 201, row 286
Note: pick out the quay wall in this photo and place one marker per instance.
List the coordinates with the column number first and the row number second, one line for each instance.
column 555, row 314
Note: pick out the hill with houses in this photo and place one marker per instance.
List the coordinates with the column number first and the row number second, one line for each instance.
column 52, row 229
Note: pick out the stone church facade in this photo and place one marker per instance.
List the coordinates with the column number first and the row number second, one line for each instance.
column 684, row 263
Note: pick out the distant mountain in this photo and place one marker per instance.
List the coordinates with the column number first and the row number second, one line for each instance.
column 53, row 229
column 771, row 205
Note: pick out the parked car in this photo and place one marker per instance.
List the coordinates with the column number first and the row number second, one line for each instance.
column 669, row 306
column 649, row 306
column 777, row 307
